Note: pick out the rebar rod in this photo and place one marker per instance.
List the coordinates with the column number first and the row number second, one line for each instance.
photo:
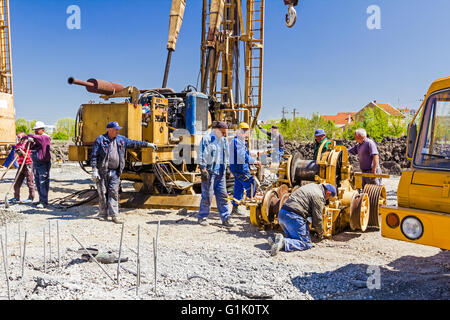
column 120, row 254
column 93, row 258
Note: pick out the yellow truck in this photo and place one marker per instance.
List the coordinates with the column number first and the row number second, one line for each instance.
column 423, row 212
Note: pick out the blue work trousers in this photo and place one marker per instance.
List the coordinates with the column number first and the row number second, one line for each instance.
column 108, row 189
column 10, row 158
column 243, row 183
column 216, row 185
column 41, row 177
column 297, row 231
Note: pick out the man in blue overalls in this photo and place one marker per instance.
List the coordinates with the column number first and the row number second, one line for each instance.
column 277, row 142
column 240, row 161
column 108, row 162
column 213, row 162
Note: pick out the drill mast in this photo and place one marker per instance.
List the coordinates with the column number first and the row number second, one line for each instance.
column 224, row 30
column 6, row 81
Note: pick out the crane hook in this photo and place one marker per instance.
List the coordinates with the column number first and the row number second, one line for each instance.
column 291, row 16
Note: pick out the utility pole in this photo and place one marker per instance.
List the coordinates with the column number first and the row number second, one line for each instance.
column 294, row 112
column 284, row 113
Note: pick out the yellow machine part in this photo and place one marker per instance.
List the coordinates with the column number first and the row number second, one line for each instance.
column 436, row 226
column 425, row 189
column 157, row 130
column 97, row 116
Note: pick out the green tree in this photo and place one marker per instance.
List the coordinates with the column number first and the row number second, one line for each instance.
column 66, row 125
column 22, row 125
column 61, row 136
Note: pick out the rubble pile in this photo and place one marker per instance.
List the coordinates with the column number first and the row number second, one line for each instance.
column 392, row 153
column 59, row 151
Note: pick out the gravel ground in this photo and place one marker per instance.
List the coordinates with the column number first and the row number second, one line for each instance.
column 196, row 262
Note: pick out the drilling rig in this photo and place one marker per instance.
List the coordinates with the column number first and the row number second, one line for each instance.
column 7, row 112
column 177, row 121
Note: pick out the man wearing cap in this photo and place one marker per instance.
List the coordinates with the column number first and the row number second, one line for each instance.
column 213, row 161
column 306, row 203
column 277, row 142
column 108, row 162
column 320, row 138
column 240, row 161
column 40, row 154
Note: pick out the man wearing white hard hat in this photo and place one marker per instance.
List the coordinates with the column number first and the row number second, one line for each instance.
column 42, row 162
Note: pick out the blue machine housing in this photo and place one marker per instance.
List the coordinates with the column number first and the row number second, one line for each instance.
column 197, row 111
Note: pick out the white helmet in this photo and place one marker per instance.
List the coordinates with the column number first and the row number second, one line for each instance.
column 39, row 125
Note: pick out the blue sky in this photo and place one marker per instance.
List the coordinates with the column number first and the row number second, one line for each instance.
column 329, row 62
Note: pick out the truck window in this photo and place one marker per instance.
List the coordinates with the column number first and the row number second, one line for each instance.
column 433, row 149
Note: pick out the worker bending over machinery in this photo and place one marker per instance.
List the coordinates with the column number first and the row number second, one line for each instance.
column 277, row 142
column 321, row 138
column 305, row 204
column 240, row 161
column 108, row 162
column 213, row 162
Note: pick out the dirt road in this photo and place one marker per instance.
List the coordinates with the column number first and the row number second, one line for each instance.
column 196, row 262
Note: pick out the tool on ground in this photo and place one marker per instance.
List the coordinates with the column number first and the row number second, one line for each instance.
column 92, row 257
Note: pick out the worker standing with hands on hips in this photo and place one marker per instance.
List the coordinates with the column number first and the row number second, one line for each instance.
column 369, row 159
column 240, row 161
column 320, row 137
column 277, row 142
column 42, row 162
column 213, row 161
column 108, row 162
column 27, row 171
column 305, row 204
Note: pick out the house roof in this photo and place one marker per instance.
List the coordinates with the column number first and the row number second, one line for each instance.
column 341, row 118
column 388, row 108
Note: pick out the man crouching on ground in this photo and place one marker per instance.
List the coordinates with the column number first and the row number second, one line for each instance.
column 306, row 202
column 108, row 162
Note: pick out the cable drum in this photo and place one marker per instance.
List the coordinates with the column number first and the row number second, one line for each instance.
column 377, row 198
column 302, row 170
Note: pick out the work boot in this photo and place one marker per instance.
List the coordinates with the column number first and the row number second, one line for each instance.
column 228, row 223
column 28, row 201
column 238, row 211
column 102, row 217
column 116, row 220
column 40, row 206
column 278, row 245
column 203, row 222
column 14, row 200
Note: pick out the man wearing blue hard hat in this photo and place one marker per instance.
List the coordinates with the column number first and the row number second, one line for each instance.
column 305, row 204
column 108, row 162
column 320, row 137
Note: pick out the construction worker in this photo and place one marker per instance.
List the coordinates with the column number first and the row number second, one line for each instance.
column 108, row 162
column 320, row 137
column 277, row 142
column 240, row 160
column 305, row 204
column 369, row 159
column 213, row 161
column 27, row 170
column 42, row 162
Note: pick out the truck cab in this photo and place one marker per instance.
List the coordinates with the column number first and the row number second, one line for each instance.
column 423, row 212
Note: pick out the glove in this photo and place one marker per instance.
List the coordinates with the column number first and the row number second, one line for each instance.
column 152, row 145
column 95, row 175
column 20, row 152
column 30, row 140
column 205, row 175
